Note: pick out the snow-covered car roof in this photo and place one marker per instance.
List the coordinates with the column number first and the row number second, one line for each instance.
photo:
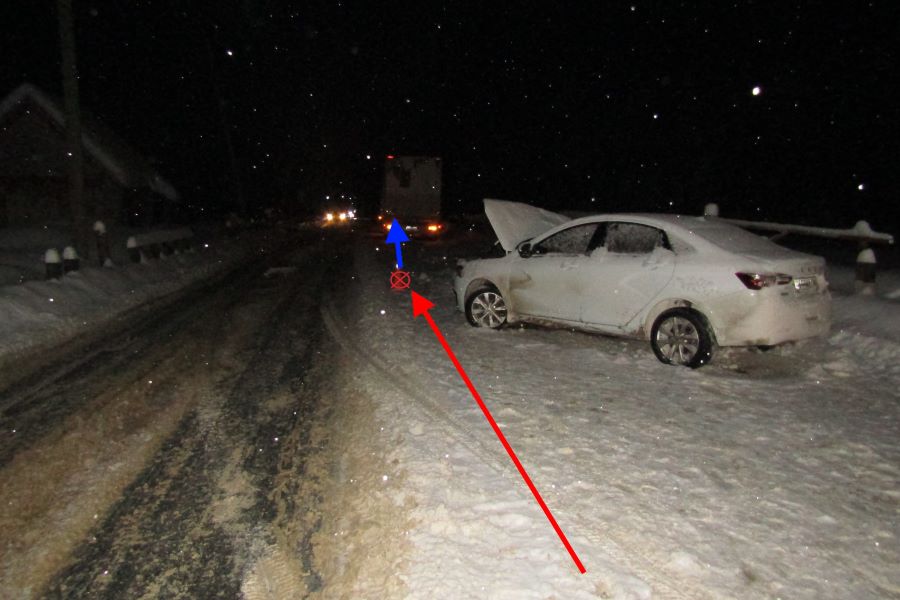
column 705, row 232
column 516, row 222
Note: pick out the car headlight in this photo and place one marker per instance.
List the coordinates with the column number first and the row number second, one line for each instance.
column 329, row 216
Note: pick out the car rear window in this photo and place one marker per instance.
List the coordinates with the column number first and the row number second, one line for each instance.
column 734, row 238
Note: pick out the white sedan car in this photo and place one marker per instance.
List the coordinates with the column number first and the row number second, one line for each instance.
column 686, row 284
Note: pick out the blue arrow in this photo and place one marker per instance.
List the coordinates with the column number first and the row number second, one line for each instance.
column 396, row 235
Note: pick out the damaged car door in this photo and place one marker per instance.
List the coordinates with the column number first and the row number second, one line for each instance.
column 626, row 270
column 547, row 279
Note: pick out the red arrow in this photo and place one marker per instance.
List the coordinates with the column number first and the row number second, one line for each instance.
column 421, row 306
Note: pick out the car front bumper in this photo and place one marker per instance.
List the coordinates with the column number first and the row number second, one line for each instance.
column 459, row 289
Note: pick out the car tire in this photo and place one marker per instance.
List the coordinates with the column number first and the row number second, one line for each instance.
column 485, row 307
column 682, row 337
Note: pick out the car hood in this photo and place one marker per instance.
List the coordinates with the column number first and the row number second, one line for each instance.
column 515, row 222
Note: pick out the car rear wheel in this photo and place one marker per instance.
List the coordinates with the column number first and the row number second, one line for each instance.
column 681, row 337
column 485, row 307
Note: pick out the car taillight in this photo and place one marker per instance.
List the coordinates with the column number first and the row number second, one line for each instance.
column 757, row 281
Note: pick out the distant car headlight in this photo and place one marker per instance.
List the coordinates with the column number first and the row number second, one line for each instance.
column 329, row 216
column 342, row 216
column 434, row 228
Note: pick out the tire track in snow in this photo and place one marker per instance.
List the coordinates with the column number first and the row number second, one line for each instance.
column 387, row 372
column 203, row 514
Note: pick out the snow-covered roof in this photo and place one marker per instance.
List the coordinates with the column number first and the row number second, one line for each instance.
column 125, row 164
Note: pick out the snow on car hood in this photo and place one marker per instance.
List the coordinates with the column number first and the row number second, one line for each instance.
column 515, row 222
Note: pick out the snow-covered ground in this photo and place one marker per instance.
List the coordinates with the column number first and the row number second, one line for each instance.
column 764, row 475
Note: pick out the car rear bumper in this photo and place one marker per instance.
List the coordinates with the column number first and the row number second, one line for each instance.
column 769, row 319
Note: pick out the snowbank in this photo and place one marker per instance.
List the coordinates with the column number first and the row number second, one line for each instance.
column 37, row 315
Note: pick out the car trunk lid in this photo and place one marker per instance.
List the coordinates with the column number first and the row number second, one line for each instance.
column 807, row 272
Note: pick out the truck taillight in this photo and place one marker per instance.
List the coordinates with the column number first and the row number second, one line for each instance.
column 757, row 281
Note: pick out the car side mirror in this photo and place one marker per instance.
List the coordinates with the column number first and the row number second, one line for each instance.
column 525, row 250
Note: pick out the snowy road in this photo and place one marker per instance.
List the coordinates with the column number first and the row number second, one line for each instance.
column 178, row 458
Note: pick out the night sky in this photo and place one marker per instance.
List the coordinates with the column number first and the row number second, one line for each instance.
column 606, row 107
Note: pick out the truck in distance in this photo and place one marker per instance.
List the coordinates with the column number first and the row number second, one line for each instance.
column 411, row 193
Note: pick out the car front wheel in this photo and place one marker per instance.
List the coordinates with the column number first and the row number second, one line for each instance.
column 485, row 307
column 681, row 337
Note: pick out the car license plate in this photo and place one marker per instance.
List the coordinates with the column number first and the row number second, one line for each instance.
column 805, row 285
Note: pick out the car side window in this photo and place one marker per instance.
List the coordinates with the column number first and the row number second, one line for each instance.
column 573, row 240
column 633, row 238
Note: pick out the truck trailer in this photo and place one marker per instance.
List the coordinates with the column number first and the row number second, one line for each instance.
column 412, row 195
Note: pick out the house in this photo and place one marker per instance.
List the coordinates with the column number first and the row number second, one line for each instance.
column 120, row 185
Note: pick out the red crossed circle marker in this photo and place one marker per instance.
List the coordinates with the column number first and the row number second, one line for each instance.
column 399, row 280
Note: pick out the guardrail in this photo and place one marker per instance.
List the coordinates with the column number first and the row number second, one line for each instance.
column 153, row 244
column 161, row 243
column 861, row 233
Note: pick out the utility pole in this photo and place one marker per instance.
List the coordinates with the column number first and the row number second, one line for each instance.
column 74, row 152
